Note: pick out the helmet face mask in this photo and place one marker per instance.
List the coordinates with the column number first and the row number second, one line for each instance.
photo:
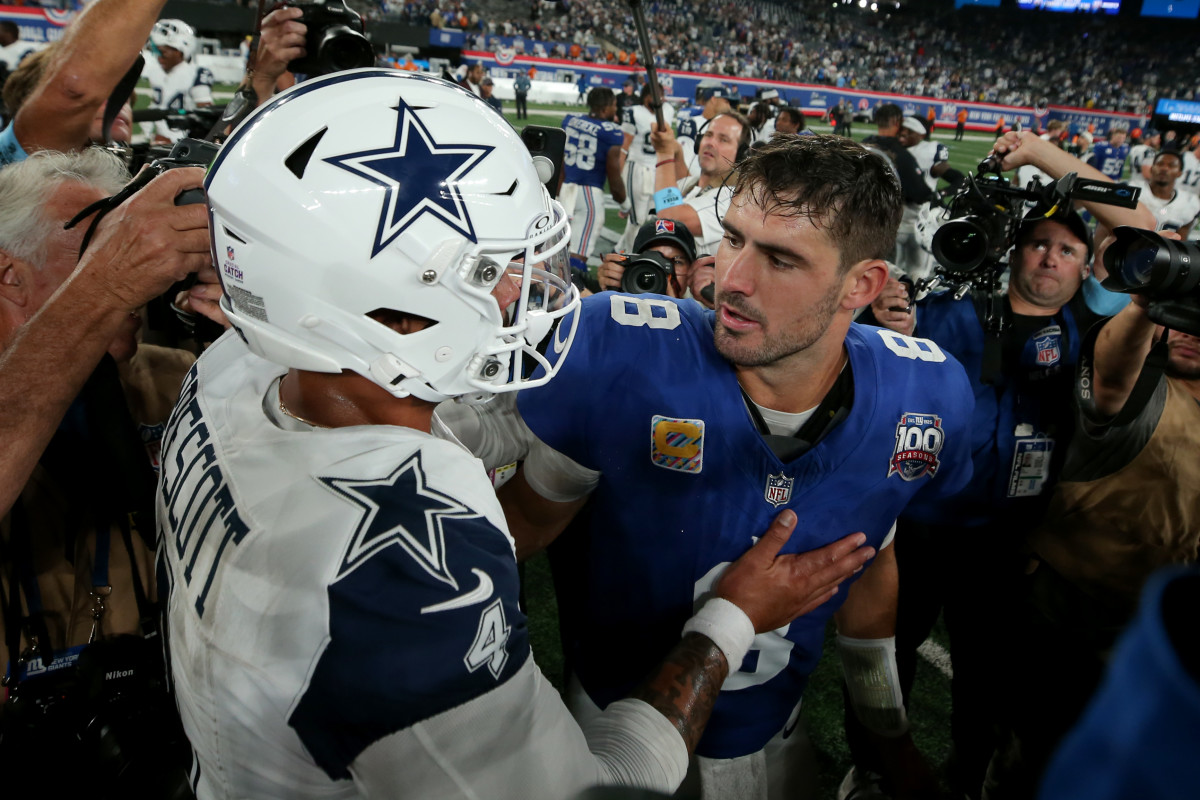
column 376, row 190
column 175, row 34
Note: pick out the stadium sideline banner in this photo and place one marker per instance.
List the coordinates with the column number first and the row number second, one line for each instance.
column 813, row 100
column 42, row 25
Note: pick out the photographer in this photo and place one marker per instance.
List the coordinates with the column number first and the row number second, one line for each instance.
column 1126, row 505
column 96, row 50
column 699, row 203
column 663, row 237
column 1022, row 422
column 85, row 406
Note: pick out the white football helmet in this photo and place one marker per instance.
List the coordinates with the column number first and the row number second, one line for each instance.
column 379, row 190
column 174, row 33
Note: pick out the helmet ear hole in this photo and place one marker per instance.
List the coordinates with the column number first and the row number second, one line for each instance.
column 401, row 322
column 297, row 162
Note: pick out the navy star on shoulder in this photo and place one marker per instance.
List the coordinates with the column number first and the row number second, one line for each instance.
column 419, row 176
column 400, row 509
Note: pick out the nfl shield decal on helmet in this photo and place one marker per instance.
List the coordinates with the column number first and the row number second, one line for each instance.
column 919, row 439
column 779, row 489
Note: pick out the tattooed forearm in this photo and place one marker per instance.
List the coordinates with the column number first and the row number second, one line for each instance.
column 686, row 686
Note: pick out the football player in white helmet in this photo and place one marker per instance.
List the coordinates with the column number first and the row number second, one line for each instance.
column 177, row 83
column 342, row 591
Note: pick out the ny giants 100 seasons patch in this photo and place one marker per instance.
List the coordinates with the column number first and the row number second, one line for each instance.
column 919, row 439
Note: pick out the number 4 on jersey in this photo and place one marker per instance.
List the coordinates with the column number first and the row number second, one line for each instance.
column 490, row 642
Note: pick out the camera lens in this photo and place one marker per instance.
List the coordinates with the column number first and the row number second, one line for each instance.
column 343, row 48
column 960, row 245
column 1138, row 266
column 649, row 281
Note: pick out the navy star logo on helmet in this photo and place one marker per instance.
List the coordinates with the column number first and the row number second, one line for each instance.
column 420, row 176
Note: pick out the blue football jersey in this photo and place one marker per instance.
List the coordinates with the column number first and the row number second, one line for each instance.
column 588, row 142
column 688, row 483
column 689, row 127
column 1110, row 160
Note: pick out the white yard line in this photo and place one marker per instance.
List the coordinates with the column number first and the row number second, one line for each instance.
column 936, row 655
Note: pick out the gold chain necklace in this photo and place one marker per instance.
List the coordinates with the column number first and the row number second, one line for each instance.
column 296, row 417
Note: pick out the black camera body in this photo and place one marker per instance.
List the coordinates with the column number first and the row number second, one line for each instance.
column 979, row 233
column 647, row 273
column 109, row 717
column 1165, row 271
column 334, row 41
column 987, row 212
column 185, row 153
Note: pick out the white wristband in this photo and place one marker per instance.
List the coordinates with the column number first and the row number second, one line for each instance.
column 728, row 627
column 869, row 667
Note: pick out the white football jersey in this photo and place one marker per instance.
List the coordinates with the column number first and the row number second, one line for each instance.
column 1174, row 213
column 1190, row 180
column 184, row 88
column 638, row 121
column 12, row 55
column 1139, row 156
column 928, row 154
column 343, row 618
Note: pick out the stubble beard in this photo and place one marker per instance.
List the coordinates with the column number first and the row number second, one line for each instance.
column 773, row 347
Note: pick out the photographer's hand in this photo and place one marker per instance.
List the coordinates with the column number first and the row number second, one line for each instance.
column 147, row 243
column 204, row 297
column 703, row 275
column 895, row 295
column 282, row 41
column 612, row 267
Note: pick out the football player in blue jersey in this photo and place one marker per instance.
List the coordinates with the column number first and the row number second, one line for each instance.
column 341, row 590
column 1109, row 156
column 675, row 432
column 592, row 157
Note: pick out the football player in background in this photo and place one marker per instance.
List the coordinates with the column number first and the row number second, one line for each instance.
column 687, row 429
column 638, row 123
column 341, row 589
column 592, row 156
column 176, row 82
column 1141, row 157
column 1109, row 156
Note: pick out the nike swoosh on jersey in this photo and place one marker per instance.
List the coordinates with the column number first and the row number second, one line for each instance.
column 480, row 593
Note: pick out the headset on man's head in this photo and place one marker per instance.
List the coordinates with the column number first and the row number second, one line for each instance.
column 744, row 140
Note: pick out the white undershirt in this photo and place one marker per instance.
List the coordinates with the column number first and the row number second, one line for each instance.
column 782, row 423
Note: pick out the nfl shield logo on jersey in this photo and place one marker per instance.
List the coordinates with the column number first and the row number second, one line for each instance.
column 919, row 439
column 779, row 489
column 1048, row 351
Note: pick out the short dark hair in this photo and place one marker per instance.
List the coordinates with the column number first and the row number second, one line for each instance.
column 10, row 27
column 1175, row 154
column 795, row 115
column 600, row 98
column 836, row 183
column 887, row 114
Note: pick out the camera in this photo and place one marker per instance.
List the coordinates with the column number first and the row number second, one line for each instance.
column 1165, row 271
column 980, row 231
column 109, row 715
column 986, row 213
column 335, row 40
column 647, row 273
column 185, row 153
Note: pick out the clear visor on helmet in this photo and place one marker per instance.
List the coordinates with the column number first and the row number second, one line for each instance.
column 534, row 294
